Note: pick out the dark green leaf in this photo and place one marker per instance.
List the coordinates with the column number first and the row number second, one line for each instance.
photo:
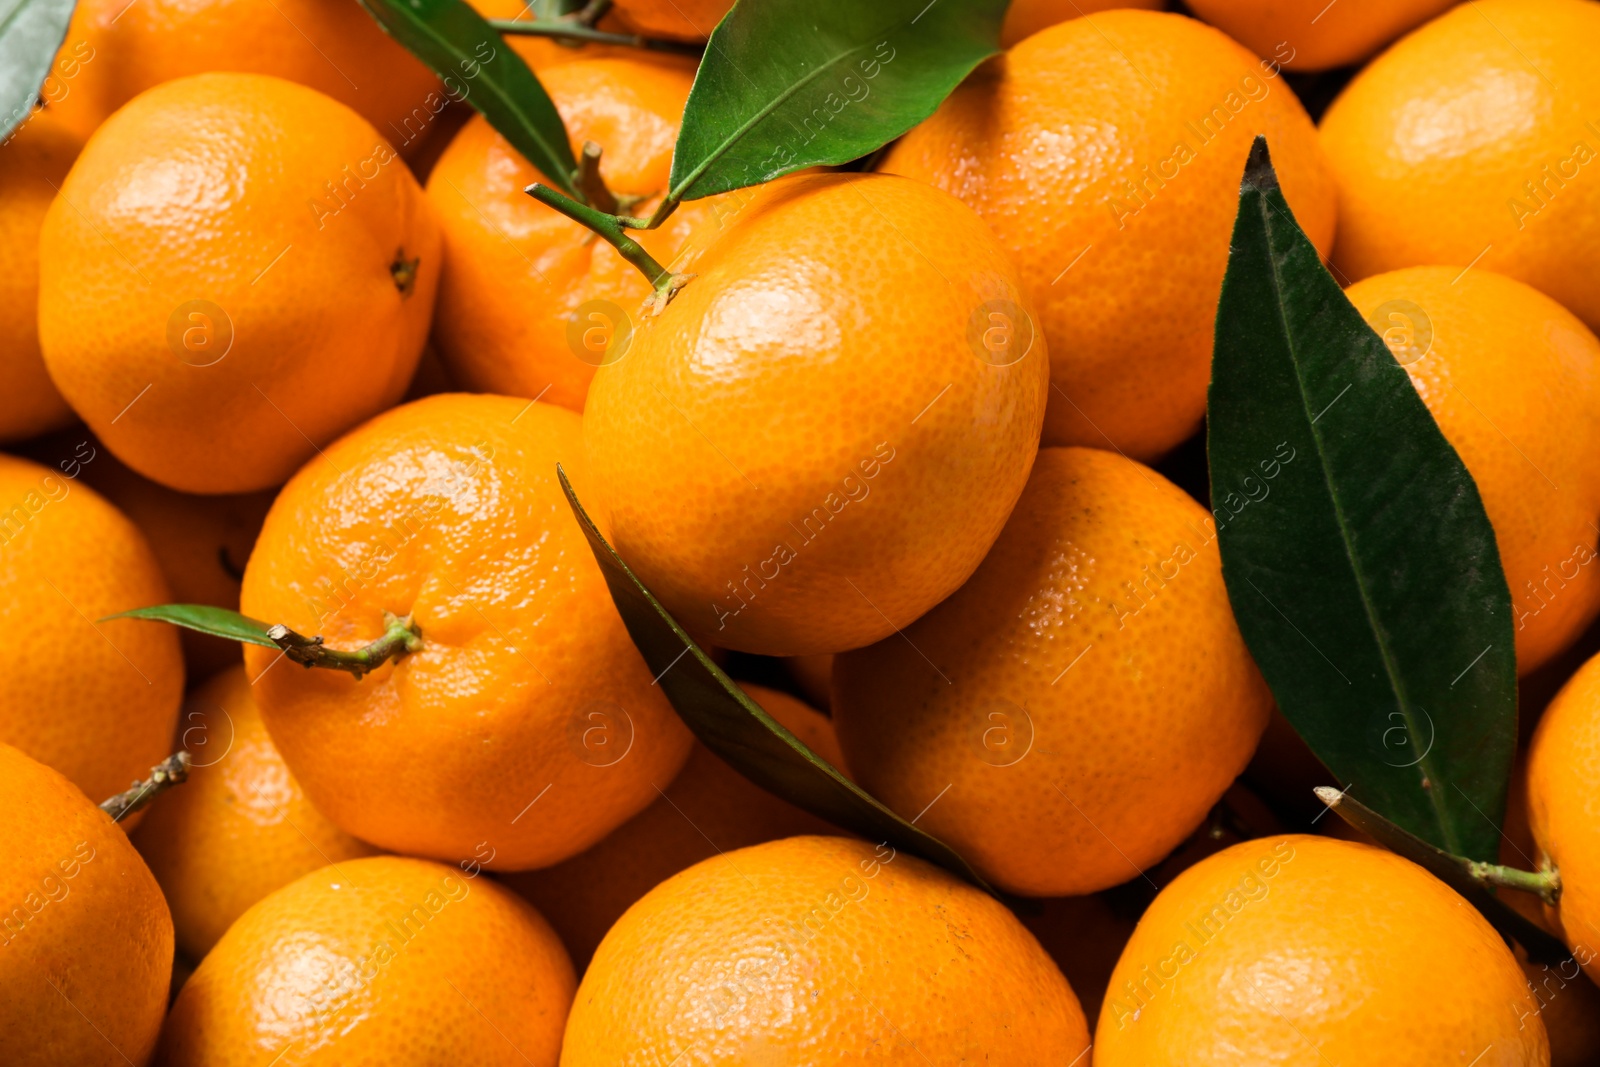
column 218, row 622
column 734, row 726
column 788, row 84
column 31, row 32
column 1358, row 557
column 478, row 67
column 1542, row 947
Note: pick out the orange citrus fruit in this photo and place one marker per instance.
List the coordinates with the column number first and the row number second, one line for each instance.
column 1513, row 380
column 821, row 948
column 1068, row 716
column 33, row 162
column 1568, row 1002
column 97, row 700
column 1564, row 808
column 1307, row 950
column 823, row 432
column 530, row 303
column 237, row 269
column 1024, row 18
column 526, row 725
column 1314, row 34
column 332, row 46
column 709, row 808
column 377, row 961
column 85, row 938
column 240, row 827
column 1471, row 142
column 1106, row 152
column 201, row 543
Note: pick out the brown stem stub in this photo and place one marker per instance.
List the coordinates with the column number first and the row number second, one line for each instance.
column 591, row 12
column 591, row 184
column 163, row 776
column 657, row 302
column 404, row 271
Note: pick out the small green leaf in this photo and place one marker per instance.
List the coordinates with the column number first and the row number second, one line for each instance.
column 218, row 622
column 1358, row 557
column 478, row 67
column 1453, row 871
column 31, row 32
column 734, row 726
column 789, row 84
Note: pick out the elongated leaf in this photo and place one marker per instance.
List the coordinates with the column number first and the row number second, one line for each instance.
column 788, row 84
column 477, row 66
column 218, row 622
column 31, row 32
column 1541, row 946
column 1358, row 557
column 734, row 726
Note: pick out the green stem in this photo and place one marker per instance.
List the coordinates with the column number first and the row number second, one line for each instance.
column 400, row 636
column 610, row 227
column 1546, row 885
column 163, row 776
column 576, row 33
column 657, row 217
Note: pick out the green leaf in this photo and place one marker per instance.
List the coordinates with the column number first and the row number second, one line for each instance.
column 1453, row 871
column 734, row 726
column 218, row 622
column 1359, row 559
column 31, row 32
column 788, row 84
column 478, row 67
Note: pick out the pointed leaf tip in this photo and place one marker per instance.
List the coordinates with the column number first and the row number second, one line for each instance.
column 1258, row 173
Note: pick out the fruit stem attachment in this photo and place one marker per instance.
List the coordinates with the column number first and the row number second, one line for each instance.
column 593, row 187
column 400, row 636
column 591, row 184
column 1546, row 885
column 657, row 217
column 610, row 228
column 575, row 33
column 163, row 776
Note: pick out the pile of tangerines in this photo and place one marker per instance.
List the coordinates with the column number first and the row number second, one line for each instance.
column 282, row 333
